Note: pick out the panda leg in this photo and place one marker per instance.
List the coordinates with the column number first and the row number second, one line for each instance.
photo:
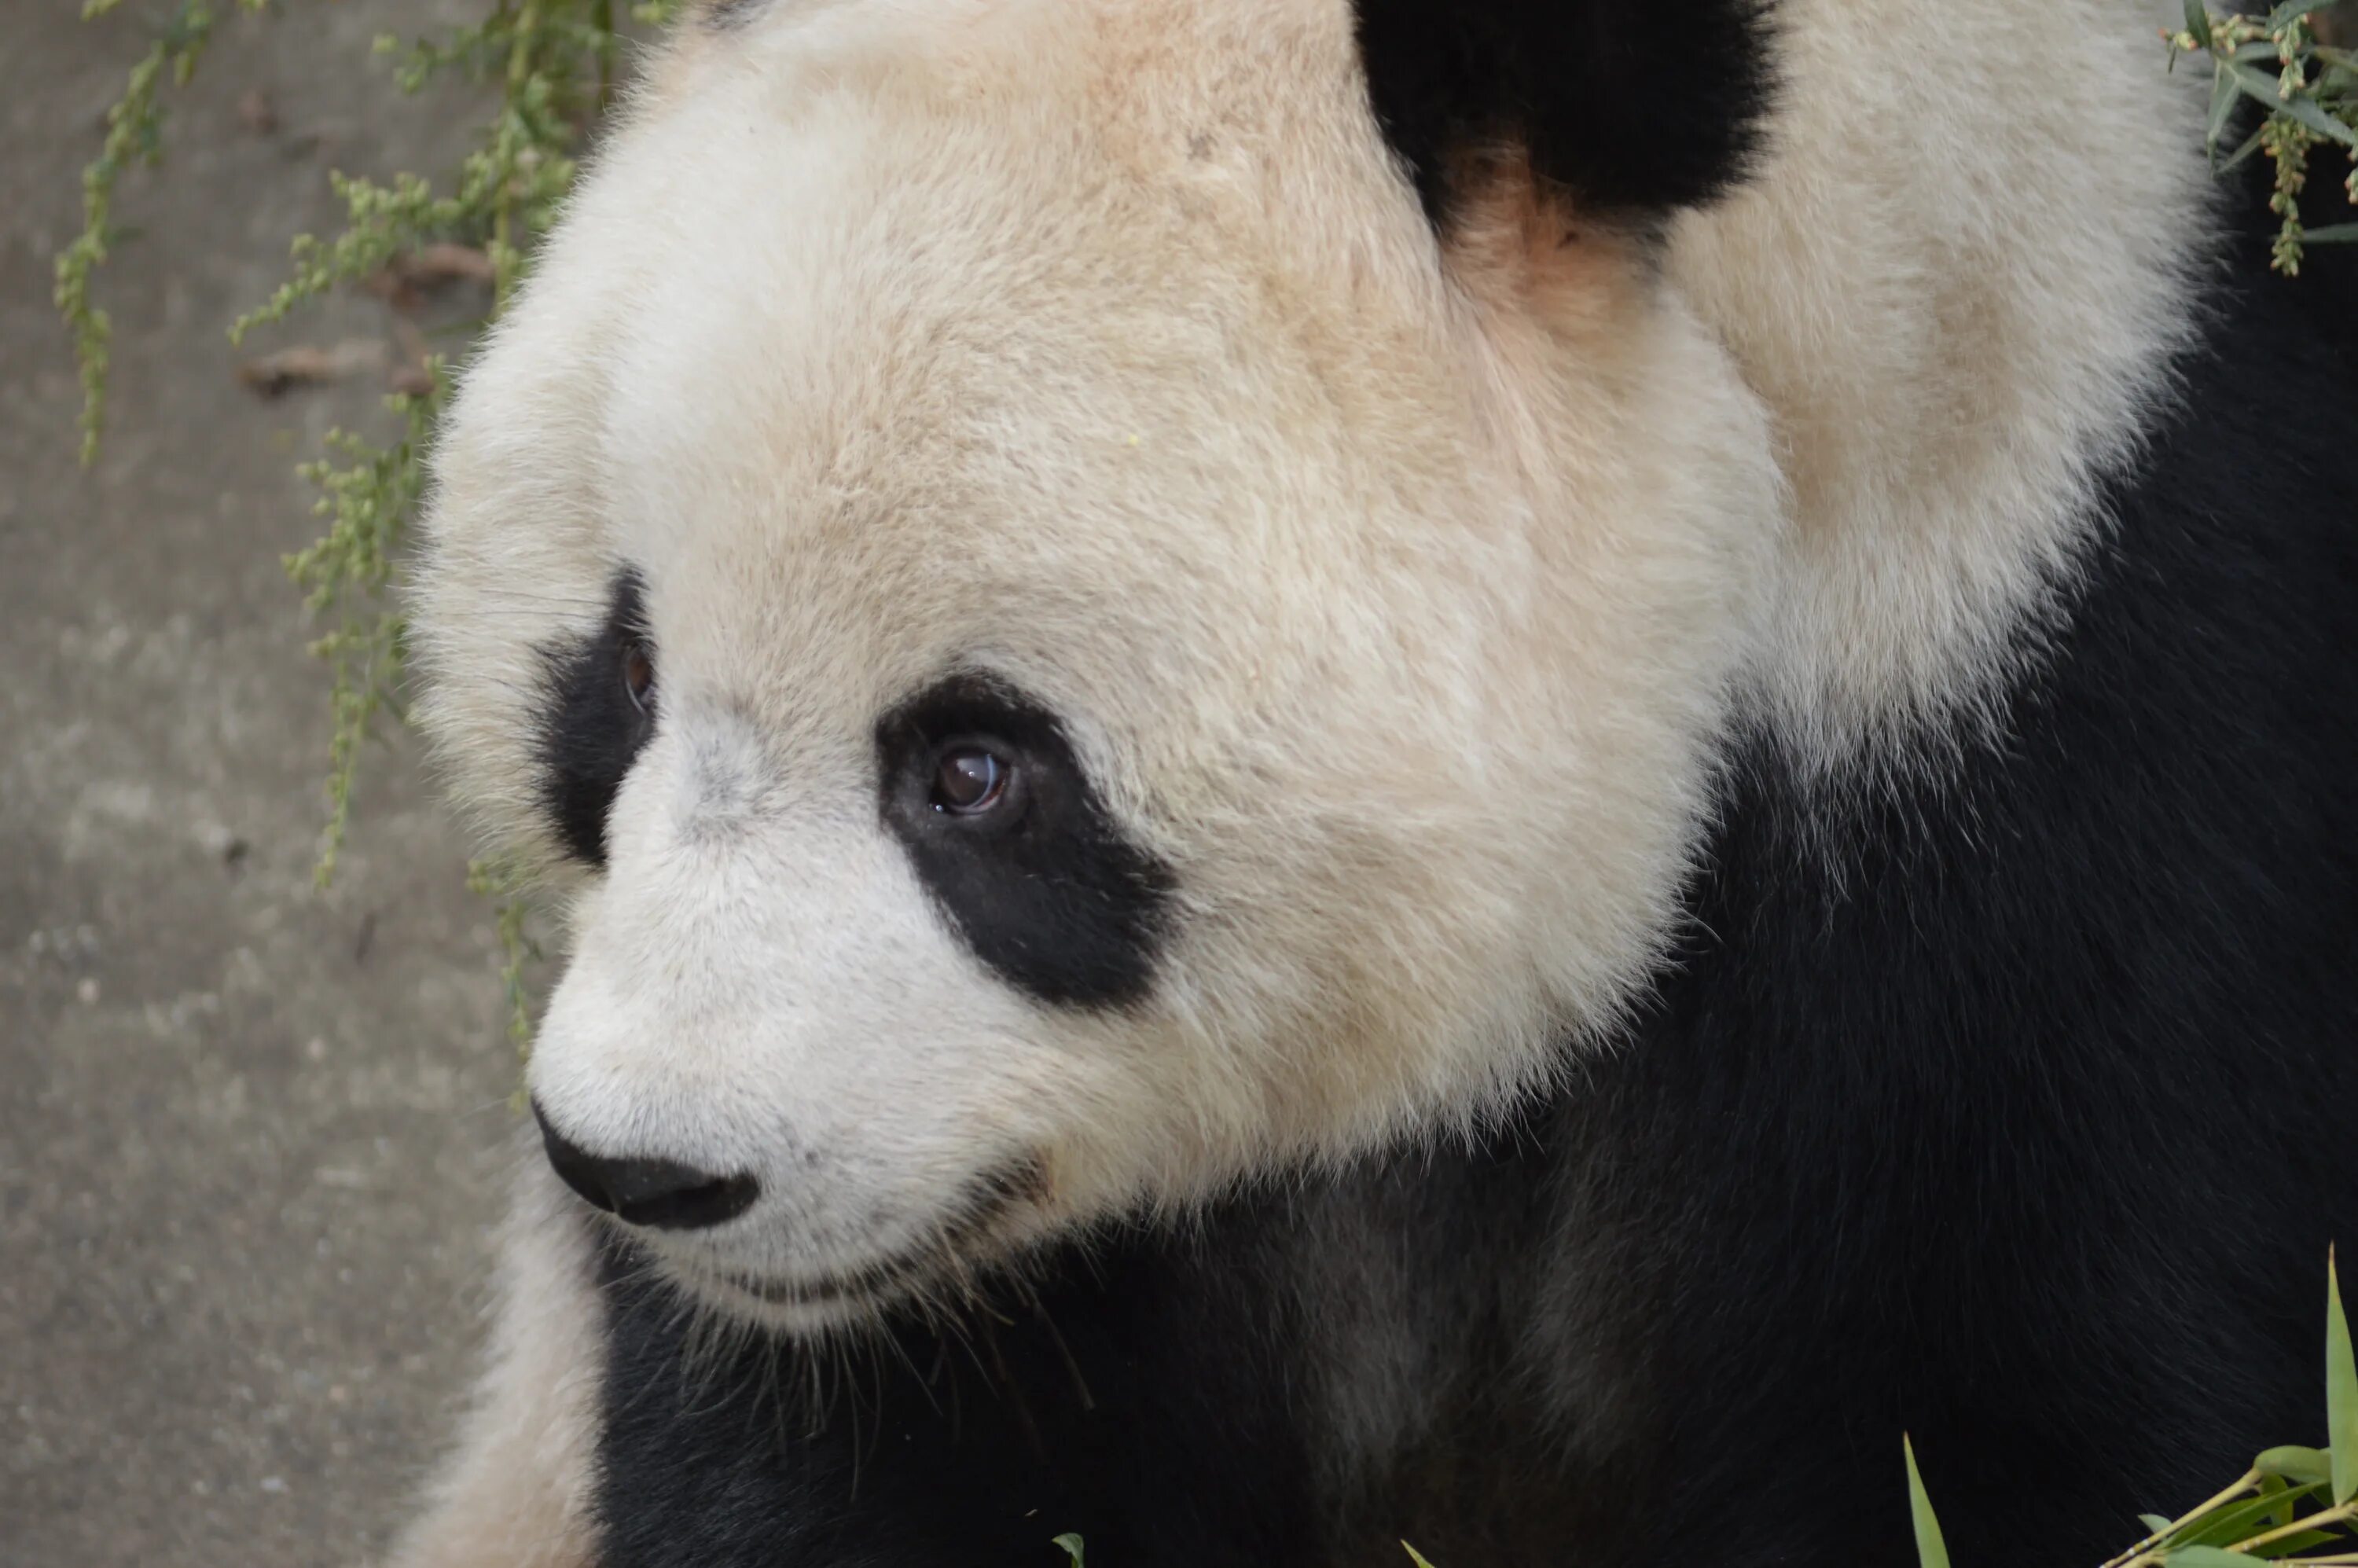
column 517, row 1492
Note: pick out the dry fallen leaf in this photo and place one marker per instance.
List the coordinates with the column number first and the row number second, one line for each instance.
column 439, row 264
column 308, row 364
column 409, row 372
column 256, row 113
column 413, row 275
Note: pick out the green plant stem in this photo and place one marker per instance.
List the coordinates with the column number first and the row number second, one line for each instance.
column 2142, row 1552
column 2341, row 1514
column 135, row 129
column 601, row 17
column 2146, row 1556
column 520, row 41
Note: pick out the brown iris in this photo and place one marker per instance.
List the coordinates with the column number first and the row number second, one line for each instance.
column 969, row 779
column 639, row 674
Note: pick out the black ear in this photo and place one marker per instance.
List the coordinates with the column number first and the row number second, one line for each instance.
column 1633, row 106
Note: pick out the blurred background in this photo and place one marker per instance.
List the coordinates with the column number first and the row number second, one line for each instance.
column 250, row 1131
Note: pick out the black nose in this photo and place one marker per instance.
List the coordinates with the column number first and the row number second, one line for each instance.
column 662, row 1194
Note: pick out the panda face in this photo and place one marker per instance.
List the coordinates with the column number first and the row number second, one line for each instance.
column 1061, row 648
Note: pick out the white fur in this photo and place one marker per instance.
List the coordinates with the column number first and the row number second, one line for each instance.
column 1395, row 616
column 1958, row 284
column 1399, row 602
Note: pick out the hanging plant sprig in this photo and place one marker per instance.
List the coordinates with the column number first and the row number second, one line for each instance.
column 2308, row 92
column 134, row 136
column 551, row 66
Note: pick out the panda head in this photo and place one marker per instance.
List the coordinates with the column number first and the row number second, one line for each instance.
column 1089, row 599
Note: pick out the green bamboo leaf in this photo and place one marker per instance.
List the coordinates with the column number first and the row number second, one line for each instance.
column 2231, row 1523
column 2223, row 97
column 2340, row 1390
column 2154, row 1523
column 1072, row 1545
column 2262, row 85
column 1932, row 1552
column 2280, row 1497
column 2198, row 22
column 2332, row 235
column 2312, row 114
column 2206, row 1557
column 2292, row 8
column 2298, row 1545
column 1414, row 1555
column 2301, row 1466
column 2251, row 145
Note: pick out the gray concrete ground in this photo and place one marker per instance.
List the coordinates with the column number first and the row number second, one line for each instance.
column 248, row 1131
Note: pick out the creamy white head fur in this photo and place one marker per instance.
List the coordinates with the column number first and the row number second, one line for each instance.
column 1396, row 605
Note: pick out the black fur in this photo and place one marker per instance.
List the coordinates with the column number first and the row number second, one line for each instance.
column 592, row 732
column 2008, row 1108
column 973, row 1449
column 1631, row 108
column 1049, row 892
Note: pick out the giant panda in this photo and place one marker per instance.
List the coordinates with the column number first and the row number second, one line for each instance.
column 1328, row 772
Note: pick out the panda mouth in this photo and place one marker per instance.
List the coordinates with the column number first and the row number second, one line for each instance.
column 950, row 1252
column 872, row 1283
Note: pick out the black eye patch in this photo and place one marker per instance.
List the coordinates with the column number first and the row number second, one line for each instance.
column 1039, row 880
column 599, row 713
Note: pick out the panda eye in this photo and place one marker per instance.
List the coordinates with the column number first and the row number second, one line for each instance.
column 1013, row 846
column 639, row 676
column 971, row 779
